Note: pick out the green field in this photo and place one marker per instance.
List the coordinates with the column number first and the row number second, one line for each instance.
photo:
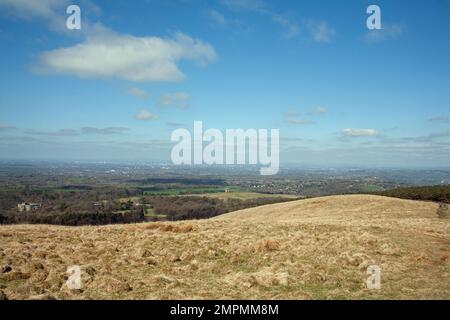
column 216, row 193
column 150, row 213
column 241, row 195
column 183, row 191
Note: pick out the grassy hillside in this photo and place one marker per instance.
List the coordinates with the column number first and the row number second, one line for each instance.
column 308, row 249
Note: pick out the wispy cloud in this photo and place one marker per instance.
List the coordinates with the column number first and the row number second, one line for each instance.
column 357, row 133
column 321, row 31
column 29, row 9
column 431, row 139
column 388, row 31
column 248, row 5
column 145, row 115
column 441, row 119
column 104, row 131
column 175, row 124
column 58, row 133
column 106, row 54
column 292, row 29
column 297, row 121
column 4, row 126
column 319, row 110
column 441, row 134
column 138, row 92
column 291, row 139
column 178, row 100
column 50, row 11
column 84, row 130
column 292, row 113
column 217, row 17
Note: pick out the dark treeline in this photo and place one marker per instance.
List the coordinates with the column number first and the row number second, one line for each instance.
column 73, row 218
column 186, row 208
column 78, row 211
column 183, row 181
column 51, row 200
column 429, row 193
column 71, row 208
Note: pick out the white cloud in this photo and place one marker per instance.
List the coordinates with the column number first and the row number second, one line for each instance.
column 138, row 92
column 391, row 31
column 321, row 31
column 145, row 115
column 106, row 54
column 176, row 99
column 354, row 133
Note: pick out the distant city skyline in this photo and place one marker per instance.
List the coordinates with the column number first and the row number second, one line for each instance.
column 340, row 94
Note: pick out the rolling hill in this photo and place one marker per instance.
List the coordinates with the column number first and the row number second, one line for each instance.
column 308, row 249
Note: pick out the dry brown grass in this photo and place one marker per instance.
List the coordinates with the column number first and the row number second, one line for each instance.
column 311, row 249
column 167, row 227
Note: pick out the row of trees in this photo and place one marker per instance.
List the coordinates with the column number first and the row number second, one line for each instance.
column 173, row 208
column 70, row 207
column 429, row 193
column 73, row 218
column 186, row 208
column 74, row 206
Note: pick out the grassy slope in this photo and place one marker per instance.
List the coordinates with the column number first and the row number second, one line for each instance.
column 316, row 248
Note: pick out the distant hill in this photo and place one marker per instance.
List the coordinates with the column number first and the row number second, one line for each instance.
column 429, row 193
column 308, row 249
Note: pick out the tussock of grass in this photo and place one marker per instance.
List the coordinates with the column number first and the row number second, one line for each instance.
column 443, row 210
column 166, row 227
column 269, row 245
column 310, row 249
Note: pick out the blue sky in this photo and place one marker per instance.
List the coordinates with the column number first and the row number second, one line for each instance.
column 114, row 90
